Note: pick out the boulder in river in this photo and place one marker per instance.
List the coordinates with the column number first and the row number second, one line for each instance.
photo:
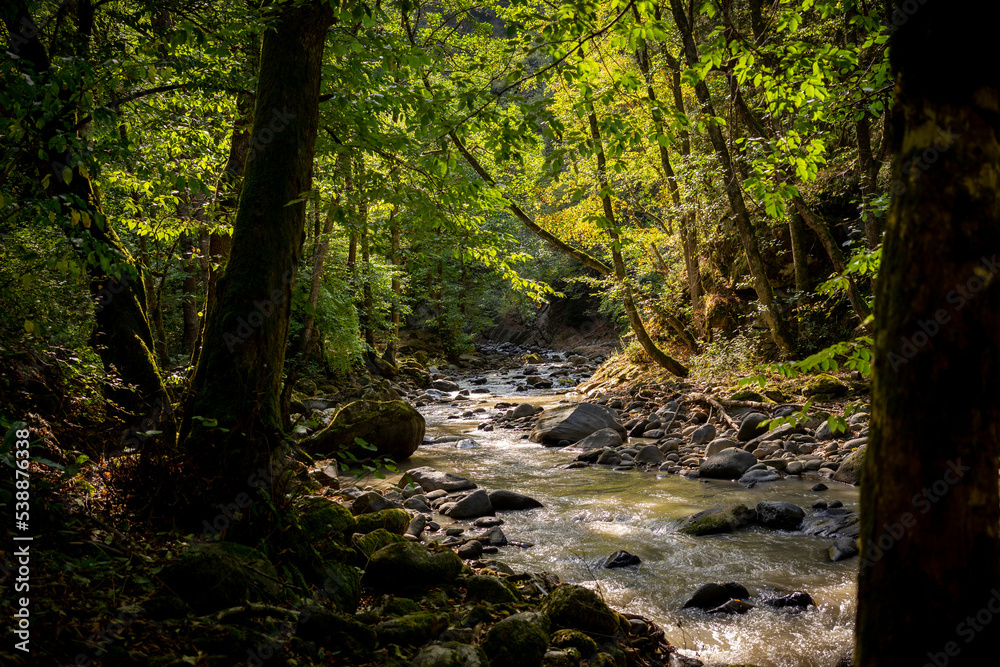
column 843, row 548
column 474, row 505
column 511, row 500
column 430, row 479
column 780, row 515
column 445, row 385
column 759, row 476
column 727, row 464
column 724, row 519
column 574, row 422
column 522, row 410
column 710, row 596
column 620, row 559
column 395, row 428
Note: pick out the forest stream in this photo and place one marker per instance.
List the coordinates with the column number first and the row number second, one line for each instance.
column 590, row 513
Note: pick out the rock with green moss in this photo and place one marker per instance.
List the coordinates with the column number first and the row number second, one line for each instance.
column 824, row 384
column 747, row 395
column 394, row 428
column 345, row 634
column 369, row 543
column 219, row 575
column 342, row 586
column 605, row 659
column 485, row 588
column 559, row 659
column 411, row 565
column 574, row 642
column 518, row 641
column 393, row 520
column 450, row 654
column 324, row 518
column 397, row 606
column 412, row 629
column 716, row 520
column 571, row 606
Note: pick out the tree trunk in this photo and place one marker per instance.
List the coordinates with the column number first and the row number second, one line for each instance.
column 929, row 584
column 762, row 286
column 822, row 230
column 397, row 286
column 634, row 319
column 689, row 237
column 800, row 259
column 238, row 379
column 189, row 304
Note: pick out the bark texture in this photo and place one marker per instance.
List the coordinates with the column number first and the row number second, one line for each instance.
column 930, row 508
column 238, row 379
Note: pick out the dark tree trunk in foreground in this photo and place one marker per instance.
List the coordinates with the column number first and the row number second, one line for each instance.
column 238, row 380
column 929, row 586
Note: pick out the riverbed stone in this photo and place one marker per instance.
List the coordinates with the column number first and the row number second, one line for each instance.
column 491, row 589
column 711, row 595
column 522, row 410
column 503, row 500
column 779, row 514
column 751, row 428
column 723, row 519
column 574, row 422
column 471, row 550
column 703, row 434
column 760, row 476
column 620, row 559
column 445, row 385
column 843, row 548
column 606, row 437
column 474, row 505
column 650, row 454
column 718, row 445
column 849, row 471
column 430, row 479
column 727, row 464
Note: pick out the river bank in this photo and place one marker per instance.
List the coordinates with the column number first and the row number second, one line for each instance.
column 592, row 510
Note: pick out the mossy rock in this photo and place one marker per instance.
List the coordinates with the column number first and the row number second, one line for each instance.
column 518, row 641
column 484, row 588
column 394, row 428
column 345, row 634
column 574, row 640
column 412, row 629
column 560, row 659
column 571, row 606
column 747, row 395
column 219, row 575
column 532, row 358
column 393, row 520
column 307, row 387
column 411, row 565
column 323, row 518
column 398, row 606
column 450, row 654
column 606, row 659
column 716, row 520
column 369, row 543
column 824, row 384
column 342, row 586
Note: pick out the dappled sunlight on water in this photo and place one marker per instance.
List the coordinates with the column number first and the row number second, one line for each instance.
column 591, row 512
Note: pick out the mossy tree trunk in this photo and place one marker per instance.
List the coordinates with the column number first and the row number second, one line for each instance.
column 237, row 382
column 929, row 582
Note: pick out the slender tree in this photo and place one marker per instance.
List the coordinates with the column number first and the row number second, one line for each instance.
column 929, row 586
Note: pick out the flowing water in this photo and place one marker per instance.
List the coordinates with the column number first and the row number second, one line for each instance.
column 592, row 512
